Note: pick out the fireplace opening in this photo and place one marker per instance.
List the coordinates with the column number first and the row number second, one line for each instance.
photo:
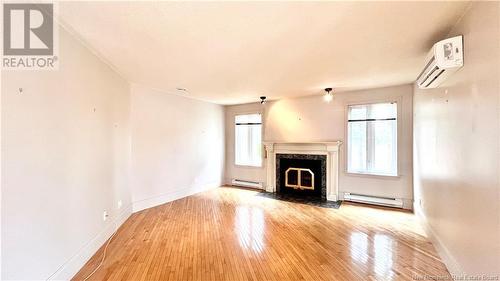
column 299, row 178
column 301, row 175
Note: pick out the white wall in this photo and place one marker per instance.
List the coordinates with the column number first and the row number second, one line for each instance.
column 457, row 149
column 65, row 159
column 177, row 146
column 312, row 119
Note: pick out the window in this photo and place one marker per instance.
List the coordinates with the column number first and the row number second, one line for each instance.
column 372, row 131
column 248, row 140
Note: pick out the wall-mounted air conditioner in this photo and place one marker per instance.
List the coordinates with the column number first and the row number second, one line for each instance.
column 445, row 57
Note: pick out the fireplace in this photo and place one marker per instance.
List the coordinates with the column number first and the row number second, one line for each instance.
column 301, row 175
column 324, row 161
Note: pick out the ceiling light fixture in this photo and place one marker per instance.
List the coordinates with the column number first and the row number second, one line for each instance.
column 328, row 95
column 263, row 100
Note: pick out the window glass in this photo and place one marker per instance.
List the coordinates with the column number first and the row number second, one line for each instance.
column 248, row 140
column 372, row 139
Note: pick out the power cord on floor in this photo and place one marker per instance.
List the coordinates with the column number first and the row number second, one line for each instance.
column 103, row 255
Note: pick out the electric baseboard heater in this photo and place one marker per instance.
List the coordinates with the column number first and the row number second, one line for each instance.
column 375, row 200
column 245, row 183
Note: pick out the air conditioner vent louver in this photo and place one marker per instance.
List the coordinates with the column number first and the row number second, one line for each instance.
column 435, row 77
column 428, row 75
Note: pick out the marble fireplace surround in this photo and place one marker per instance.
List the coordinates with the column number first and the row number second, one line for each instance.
column 330, row 149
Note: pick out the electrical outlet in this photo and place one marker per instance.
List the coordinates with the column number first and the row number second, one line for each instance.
column 119, row 204
column 105, row 215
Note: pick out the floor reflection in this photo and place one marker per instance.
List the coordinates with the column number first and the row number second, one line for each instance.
column 383, row 256
column 359, row 247
column 381, row 248
column 250, row 227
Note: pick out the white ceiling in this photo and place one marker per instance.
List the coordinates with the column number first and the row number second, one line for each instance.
column 234, row 52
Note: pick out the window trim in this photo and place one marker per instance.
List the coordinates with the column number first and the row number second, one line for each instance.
column 234, row 138
column 399, row 102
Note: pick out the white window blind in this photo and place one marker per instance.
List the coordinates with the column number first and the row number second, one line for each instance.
column 248, row 140
column 372, row 139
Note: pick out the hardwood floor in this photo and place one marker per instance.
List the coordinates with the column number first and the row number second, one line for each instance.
column 231, row 234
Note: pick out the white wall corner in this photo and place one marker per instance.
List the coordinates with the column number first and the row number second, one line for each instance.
column 449, row 261
column 74, row 264
column 226, row 181
column 408, row 204
column 151, row 202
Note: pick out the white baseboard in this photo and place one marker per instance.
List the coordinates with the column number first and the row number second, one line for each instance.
column 449, row 261
column 171, row 196
column 74, row 264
